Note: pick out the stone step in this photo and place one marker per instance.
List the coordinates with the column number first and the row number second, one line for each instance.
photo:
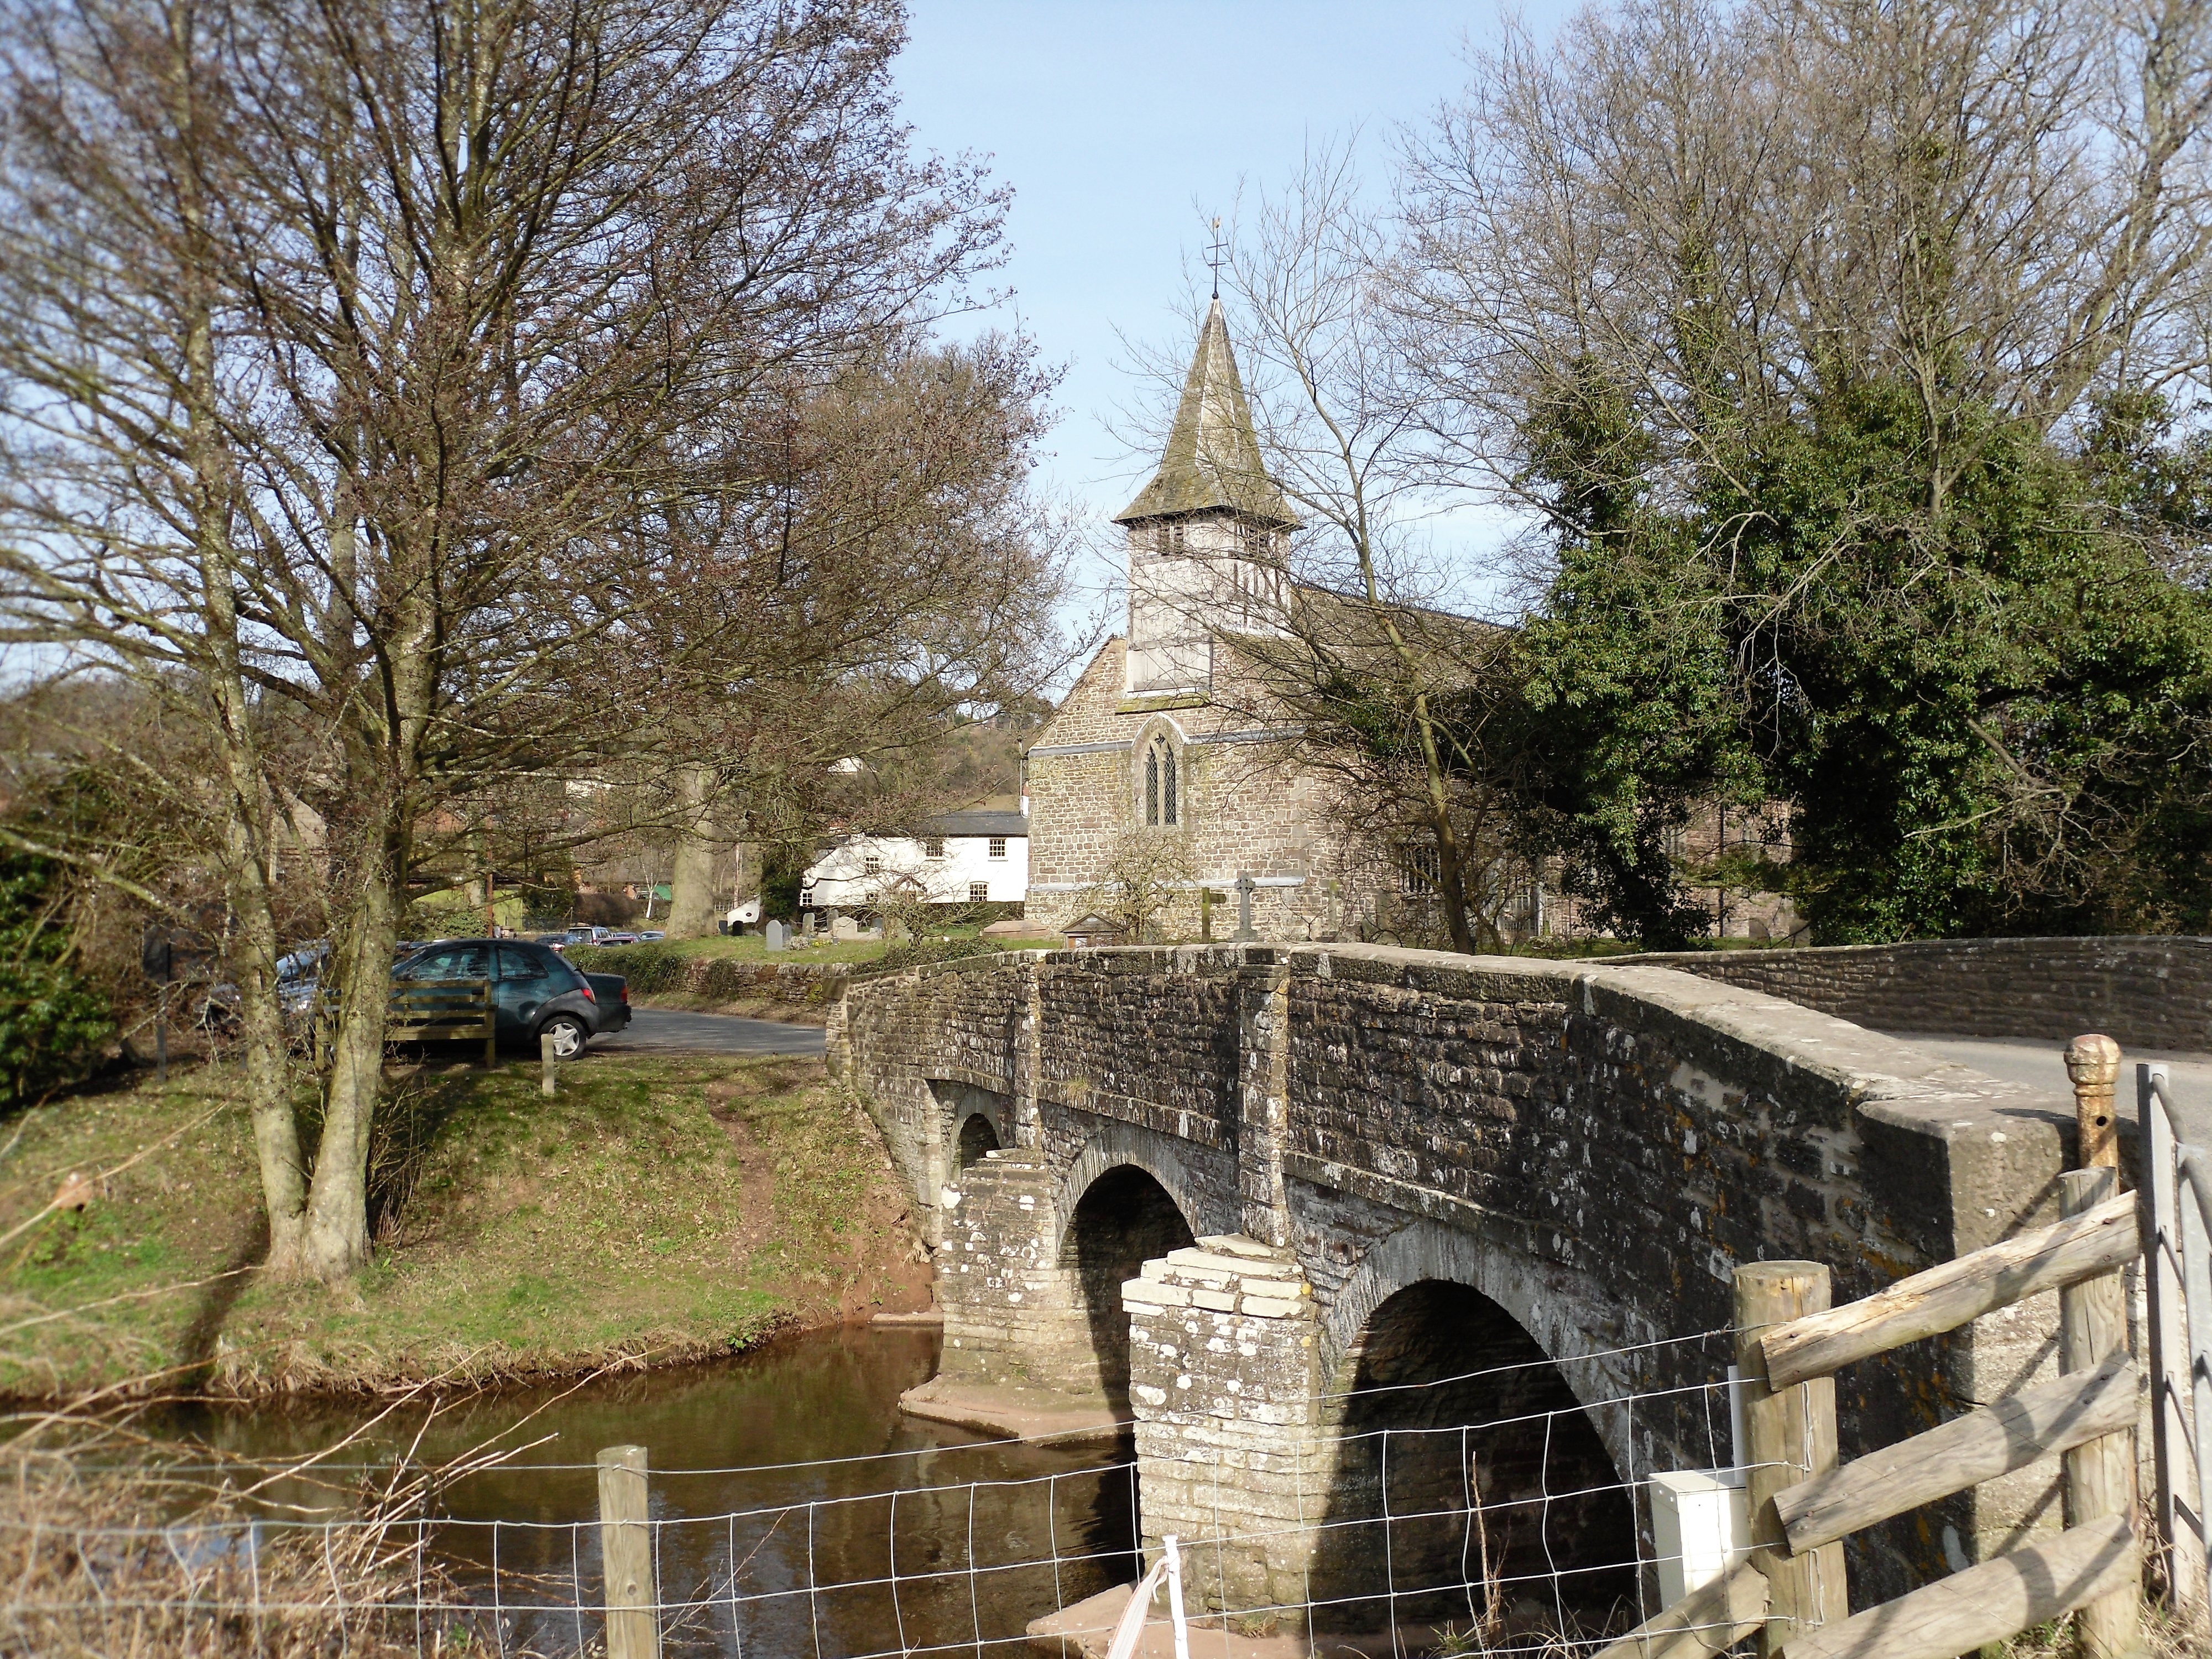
column 1197, row 1261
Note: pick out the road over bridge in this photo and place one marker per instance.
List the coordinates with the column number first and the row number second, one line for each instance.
column 1266, row 1201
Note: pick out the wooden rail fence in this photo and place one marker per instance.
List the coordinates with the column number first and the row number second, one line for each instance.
column 1790, row 1590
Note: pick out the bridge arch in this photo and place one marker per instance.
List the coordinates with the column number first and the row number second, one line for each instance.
column 1126, row 1198
column 954, row 1105
column 1452, row 1422
column 1560, row 1309
column 978, row 1135
column 1166, row 1158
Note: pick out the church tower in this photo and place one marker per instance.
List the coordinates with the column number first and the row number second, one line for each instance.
column 1209, row 537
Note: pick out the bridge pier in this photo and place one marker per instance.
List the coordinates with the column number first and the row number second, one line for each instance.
column 1224, row 1378
column 1014, row 1318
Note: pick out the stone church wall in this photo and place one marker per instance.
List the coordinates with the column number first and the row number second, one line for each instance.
column 1247, row 807
column 1243, row 809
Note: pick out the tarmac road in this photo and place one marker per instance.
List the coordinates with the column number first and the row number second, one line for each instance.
column 673, row 1031
column 2043, row 1065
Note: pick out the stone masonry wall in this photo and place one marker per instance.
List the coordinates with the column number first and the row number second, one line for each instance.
column 1593, row 1148
column 2146, row 992
column 1246, row 806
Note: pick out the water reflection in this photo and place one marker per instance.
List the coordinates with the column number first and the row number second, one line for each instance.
column 924, row 1538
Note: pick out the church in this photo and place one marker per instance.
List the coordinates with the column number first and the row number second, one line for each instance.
column 1170, row 759
column 1167, row 739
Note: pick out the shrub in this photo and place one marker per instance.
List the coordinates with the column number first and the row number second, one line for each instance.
column 53, row 1023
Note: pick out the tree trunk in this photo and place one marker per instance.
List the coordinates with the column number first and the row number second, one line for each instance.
column 247, row 802
column 261, row 1018
column 337, row 1238
column 385, row 760
column 1451, row 859
column 692, row 909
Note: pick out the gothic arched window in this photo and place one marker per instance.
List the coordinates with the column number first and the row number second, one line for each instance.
column 1163, row 798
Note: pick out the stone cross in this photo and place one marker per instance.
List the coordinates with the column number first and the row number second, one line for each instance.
column 1244, row 886
column 775, row 935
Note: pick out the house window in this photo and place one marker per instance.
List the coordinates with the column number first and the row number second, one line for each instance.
column 874, row 866
column 933, row 848
column 979, row 892
column 1163, row 798
column 1420, row 871
column 997, row 847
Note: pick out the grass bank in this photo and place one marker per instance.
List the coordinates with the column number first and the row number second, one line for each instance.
column 750, row 947
column 657, row 1211
column 743, row 977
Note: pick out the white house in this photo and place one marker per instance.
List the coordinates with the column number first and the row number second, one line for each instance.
column 973, row 857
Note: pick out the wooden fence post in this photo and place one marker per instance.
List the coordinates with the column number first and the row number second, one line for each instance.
column 626, row 1549
column 2093, row 1062
column 549, row 1063
column 1790, row 1434
column 2100, row 1473
column 490, row 1028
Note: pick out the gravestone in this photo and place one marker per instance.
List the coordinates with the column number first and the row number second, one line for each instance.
column 776, row 935
column 1244, row 886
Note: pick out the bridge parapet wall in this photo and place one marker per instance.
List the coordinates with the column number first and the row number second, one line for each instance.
column 2146, row 991
column 1161, row 1048
column 1593, row 1147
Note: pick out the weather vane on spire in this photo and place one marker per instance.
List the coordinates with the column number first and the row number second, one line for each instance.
column 1213, row 257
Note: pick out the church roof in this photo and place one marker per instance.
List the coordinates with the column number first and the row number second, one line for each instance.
column 1213, row 458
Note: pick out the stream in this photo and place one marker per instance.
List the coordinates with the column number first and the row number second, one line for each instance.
column 789, row 1486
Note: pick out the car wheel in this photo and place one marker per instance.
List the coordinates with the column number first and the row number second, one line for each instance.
column 568, row 1034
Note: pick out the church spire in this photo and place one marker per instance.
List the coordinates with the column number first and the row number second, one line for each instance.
column 1212, row 459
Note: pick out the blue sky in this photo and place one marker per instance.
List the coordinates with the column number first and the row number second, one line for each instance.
column 1114, row 120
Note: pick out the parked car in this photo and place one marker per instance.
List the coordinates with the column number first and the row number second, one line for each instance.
column 648, row 935
column 299, row 976
column 537, row 992
column 618, row 938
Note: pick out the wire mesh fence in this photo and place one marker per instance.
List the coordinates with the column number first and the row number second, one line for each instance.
column 1414, row 1541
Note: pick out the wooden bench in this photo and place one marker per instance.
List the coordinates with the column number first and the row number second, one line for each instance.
column 444, row 1011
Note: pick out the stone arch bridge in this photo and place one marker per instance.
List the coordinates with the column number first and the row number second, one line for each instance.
column 1262, row 1200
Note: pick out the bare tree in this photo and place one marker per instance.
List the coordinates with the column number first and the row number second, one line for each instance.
column 124, row 492
column 1720, row 211
column 1378, row 681
column 1147, row 874
column 433, row 315
column 892, row 579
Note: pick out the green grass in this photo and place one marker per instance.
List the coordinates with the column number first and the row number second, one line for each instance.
column 753, row 948
column 655, row 1210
